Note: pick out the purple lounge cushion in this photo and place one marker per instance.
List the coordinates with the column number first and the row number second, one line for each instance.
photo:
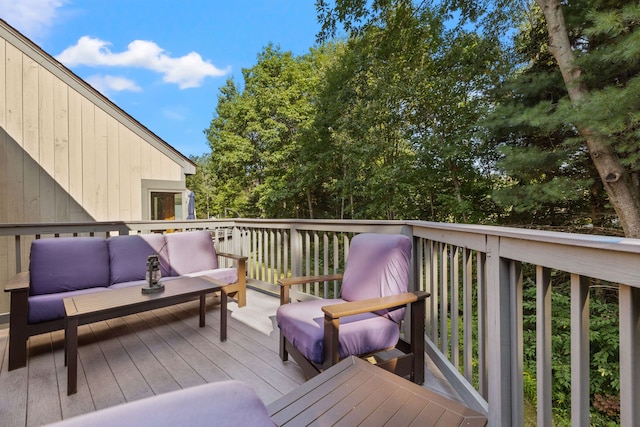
column 378, row 265
column 302, row 323
column 191, row 252
column 68, row 264
column 224, row 404
column 47, row 307
column 128, row 256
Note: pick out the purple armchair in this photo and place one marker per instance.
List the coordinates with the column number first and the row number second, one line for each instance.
column 365, row 319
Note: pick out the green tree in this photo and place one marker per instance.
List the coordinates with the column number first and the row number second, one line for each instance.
column 594, row 48
column 259, row 162
column 402, row 130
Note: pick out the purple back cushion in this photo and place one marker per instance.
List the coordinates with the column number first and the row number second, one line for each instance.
column 128, row 255
column 378, row 265
column 191, row 252
column 68, row 264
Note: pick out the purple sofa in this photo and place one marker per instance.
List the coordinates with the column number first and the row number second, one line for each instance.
column 67, row 266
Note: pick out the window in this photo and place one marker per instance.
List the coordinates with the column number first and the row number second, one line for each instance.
column 166, row 205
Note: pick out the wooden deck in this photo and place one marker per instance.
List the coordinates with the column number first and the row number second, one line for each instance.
column 141, row 355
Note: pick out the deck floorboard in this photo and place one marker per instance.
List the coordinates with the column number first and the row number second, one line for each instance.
column 145, row 354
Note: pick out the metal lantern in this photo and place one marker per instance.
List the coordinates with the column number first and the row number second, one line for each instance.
column 153, row 276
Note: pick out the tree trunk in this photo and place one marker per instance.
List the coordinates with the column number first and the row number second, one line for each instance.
column 310, row 203
column 623, row 194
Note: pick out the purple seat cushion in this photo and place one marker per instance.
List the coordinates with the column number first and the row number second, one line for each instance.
column 50, row 307
column 191, row 252
column 225, row 275
column 223, row 404
column 128, row 256
column 68, row 264
column 302, row 323
column 378, row 265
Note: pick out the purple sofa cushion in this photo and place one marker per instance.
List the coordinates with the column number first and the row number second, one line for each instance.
column 224, row 404
column 191, row 252
column 302, row 323
column 378, row 265
column 128, row 256
column 50, row 307
column 68, row 264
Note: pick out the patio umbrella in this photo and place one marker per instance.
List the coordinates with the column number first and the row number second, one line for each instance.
column 191, row 205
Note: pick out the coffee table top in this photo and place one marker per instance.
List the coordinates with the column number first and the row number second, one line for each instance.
column 178, row 289
column 355, row 392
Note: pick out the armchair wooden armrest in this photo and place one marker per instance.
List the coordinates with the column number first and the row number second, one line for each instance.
column 337, row 311
column 410, row 364
column 286, row 283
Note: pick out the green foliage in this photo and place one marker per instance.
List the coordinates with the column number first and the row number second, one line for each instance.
column 257, row 154
column 367, row 128
column 535, row 121
column 604, row 349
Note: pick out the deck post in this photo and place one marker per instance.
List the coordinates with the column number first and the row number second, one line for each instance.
column 499, row 350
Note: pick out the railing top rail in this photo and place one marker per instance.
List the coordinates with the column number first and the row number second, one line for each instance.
column 419, row 228
column 551, row 237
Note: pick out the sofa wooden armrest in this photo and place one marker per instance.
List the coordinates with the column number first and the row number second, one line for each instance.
column 18, row 286
column 18, row 282
column 238, row 290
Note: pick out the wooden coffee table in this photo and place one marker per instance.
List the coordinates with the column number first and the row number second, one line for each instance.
column 95, row 307
column 355, row 392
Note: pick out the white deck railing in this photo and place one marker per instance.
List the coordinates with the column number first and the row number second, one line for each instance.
column 472, row 272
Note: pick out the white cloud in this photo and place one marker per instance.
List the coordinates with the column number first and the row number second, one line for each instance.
column 107, row 84
column 31, row 17
column 186, row 71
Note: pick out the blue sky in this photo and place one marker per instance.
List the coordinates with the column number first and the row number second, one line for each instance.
column 163, row 61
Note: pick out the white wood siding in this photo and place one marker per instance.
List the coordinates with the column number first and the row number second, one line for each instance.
column 67, row 154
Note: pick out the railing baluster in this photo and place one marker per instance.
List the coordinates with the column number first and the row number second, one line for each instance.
column 278, row 255
column 435, row 287
column 455, row 307
column 325, row 253
column 543, row 344
column 307, row 258
column 481, row 279
column 336, row 262
column 517, row 352
column 316, row 262
column 287, row 267
column 444, row 299
column 467, row 314
column 580, row 403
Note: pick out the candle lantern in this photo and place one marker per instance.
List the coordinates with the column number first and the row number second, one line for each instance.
column 153, row 276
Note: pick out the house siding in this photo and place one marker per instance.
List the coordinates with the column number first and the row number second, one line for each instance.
column 67, row 154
